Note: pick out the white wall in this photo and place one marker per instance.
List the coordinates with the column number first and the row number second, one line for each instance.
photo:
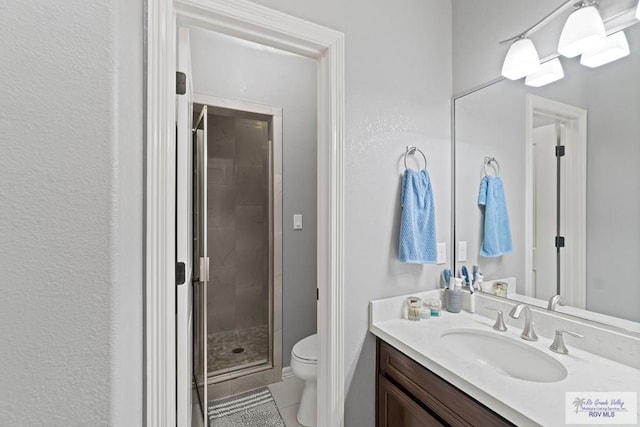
column 232, row 68
column 71, row 213
column 398, row 90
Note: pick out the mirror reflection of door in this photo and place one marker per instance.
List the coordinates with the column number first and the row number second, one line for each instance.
column 545, row 208
column 558, row 178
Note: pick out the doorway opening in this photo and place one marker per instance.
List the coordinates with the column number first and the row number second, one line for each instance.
column 163, row 364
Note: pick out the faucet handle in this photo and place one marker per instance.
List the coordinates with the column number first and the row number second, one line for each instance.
column 557, row 299
column 558, row 343
column 499, row 325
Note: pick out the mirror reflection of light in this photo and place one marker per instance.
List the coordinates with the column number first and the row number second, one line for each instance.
column 582, row 32
column 617, row 47
column 549, row 72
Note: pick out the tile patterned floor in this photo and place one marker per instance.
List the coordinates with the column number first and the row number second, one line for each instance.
column 254, row 340
column 287, row 397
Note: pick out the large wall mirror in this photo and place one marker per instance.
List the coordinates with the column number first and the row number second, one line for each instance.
column 585, row 195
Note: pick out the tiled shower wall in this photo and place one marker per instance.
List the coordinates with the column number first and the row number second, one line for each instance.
column 238, row 223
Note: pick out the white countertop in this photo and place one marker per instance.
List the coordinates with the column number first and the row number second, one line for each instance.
column 524, row 403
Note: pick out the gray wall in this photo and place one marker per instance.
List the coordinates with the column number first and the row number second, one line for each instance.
column 491, row 122
column 71, row 213
column 231, row 68
column 613, row 179
column 398, row 90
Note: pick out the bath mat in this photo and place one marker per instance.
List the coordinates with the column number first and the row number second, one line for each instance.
column 255, row 408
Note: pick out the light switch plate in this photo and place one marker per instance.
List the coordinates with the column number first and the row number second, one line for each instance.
column 442, row 253
column 462, row 251
column 297, row 221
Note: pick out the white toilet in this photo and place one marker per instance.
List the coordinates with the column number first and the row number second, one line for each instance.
column 304, row 363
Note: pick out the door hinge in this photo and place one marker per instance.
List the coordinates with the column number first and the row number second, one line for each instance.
column 560, row 150
column 180, row 273
column 559, row 241
column 317, row 294
column 181, row 83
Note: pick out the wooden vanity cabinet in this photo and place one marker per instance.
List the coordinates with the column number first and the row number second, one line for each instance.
column 410, row 395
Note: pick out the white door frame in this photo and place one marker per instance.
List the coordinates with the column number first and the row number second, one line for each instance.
column 574, row 202
column 256, row 23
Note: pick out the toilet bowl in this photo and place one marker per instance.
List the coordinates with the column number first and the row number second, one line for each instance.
column 304, row 364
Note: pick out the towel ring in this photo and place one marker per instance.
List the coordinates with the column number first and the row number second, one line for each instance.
column 496, row 165
column 412, row 151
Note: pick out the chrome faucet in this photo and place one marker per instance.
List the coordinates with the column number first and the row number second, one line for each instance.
column 528, row 333
column 555, row 300
column 558, row 343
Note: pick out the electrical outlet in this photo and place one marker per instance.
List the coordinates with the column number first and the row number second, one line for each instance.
column 442, row 253
column 462, row 251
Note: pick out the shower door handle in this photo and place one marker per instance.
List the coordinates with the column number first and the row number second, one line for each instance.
column 204, row 269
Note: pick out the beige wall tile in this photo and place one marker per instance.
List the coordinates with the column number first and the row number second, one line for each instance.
column 222, row 245
column 250, row 267
column 221, row 171
column 221, row 206
column 251, row 137
column 250, row 223
column 251, row 306
column 221, row 312
column 251, row 186
column 221, row 133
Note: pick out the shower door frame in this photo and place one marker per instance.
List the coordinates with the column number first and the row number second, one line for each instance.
column 260, row 24
column 274, row 361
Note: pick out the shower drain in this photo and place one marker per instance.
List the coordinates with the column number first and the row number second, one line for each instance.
column 237, row 350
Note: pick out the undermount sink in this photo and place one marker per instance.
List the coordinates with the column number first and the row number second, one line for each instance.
column 503, row 354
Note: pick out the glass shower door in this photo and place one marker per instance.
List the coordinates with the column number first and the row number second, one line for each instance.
column 200, row 260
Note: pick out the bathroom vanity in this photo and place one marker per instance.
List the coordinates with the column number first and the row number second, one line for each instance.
column 456, row 370
column 409, row 395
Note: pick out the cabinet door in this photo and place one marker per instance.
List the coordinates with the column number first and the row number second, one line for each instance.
column 396, row 409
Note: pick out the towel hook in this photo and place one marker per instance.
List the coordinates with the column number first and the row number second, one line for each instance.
column 412, row 151
column 496, row 165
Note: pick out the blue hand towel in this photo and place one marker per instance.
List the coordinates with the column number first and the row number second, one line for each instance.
column 497, row 233
column 418, row 222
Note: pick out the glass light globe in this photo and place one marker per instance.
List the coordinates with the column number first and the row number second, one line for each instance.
column 549, row 72
column 616, row 47
column 583, row 31
column 522, row 59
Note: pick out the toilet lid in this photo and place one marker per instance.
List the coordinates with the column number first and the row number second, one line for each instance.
column 307, row 348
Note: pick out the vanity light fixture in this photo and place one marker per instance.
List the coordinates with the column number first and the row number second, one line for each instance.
column 583, row 31
column 583, row 34
column 521, row 60
column 549, row 72
column 616, row 47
